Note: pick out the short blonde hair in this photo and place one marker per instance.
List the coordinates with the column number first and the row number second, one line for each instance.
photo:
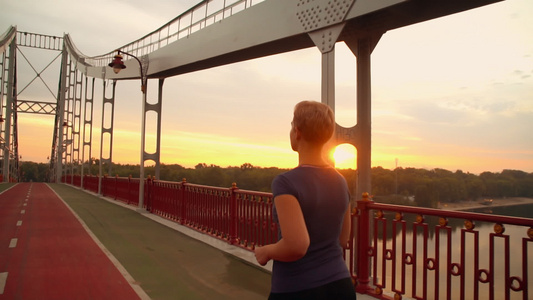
column 315, row 120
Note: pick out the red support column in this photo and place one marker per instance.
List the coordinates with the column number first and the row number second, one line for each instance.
column 116, row 179
column 104, row 185
column 148, row 193
column 233, row 218
column 363, row 246
column 129, row 189
column 183, row 214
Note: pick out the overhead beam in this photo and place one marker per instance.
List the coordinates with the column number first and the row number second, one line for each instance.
column 273, row 27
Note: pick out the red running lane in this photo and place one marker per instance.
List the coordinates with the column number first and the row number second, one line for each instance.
column 54, row 256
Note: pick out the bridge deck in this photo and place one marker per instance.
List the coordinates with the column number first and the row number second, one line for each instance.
column 55, row 257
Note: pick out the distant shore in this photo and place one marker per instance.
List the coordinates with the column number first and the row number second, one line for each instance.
column 496, row 202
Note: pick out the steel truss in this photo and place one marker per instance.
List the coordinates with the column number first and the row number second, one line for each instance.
column 67, row 108
column 36, row 107
column 8, row 115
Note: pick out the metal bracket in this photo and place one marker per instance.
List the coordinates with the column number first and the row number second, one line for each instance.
column 326, row 38
column 345, row 135
column 323, row 20
column 316, row 14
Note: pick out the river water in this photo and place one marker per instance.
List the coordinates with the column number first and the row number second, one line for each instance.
column 522, row 211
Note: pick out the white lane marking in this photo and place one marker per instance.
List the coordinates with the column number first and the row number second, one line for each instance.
column 13, row 243
column 23, row 211
column 19, row 223
column 3, row 279
column 25, row 204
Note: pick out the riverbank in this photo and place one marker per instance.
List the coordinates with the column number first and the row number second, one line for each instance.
column 496, row 202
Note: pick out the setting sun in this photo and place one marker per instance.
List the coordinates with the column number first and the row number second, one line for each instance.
column 344, row 156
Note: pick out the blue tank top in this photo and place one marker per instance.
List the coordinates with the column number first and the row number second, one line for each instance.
column 324, row 197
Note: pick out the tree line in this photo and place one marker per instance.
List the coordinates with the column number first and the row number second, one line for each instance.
column 405, row 186
column 429, row 187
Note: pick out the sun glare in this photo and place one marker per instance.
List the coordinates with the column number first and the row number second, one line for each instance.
column 344, row 156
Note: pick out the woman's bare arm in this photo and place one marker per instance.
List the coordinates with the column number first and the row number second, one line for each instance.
column 295, row 241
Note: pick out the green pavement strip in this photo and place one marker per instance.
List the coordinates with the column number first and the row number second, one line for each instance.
column 5, row 185
column 167, row 264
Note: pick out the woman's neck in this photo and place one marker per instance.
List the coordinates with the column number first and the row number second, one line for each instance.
column 311, row 155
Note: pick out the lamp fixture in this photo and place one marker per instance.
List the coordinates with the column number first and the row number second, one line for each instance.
column 117, row 64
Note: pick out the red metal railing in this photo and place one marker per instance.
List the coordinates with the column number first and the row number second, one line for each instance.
column 435, row 254
column 90, row 183
column 394, row 251
column 237, row 216
column 122, row 189
column 255, row 225
column 243, row 218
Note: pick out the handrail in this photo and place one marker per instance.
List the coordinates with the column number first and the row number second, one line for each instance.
column 41, row 41
column 7, row 38
column 452, row 214
column 192, row 20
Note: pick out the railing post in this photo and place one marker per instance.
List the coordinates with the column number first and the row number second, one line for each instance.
column 129, row 189
column 233, row 218
column 183, row 214
column 148, row 193
column 104, row 185
column 363, row 246
column 99, row 188
column 116, row 183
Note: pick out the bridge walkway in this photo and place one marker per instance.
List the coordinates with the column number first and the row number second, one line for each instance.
column 59, row 260
column 147, row 257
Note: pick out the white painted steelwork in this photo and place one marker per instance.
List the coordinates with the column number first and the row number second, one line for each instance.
column 106, row 134
column 87, row 132
column 202, row 38
column 9, row 124
column 220, row 32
